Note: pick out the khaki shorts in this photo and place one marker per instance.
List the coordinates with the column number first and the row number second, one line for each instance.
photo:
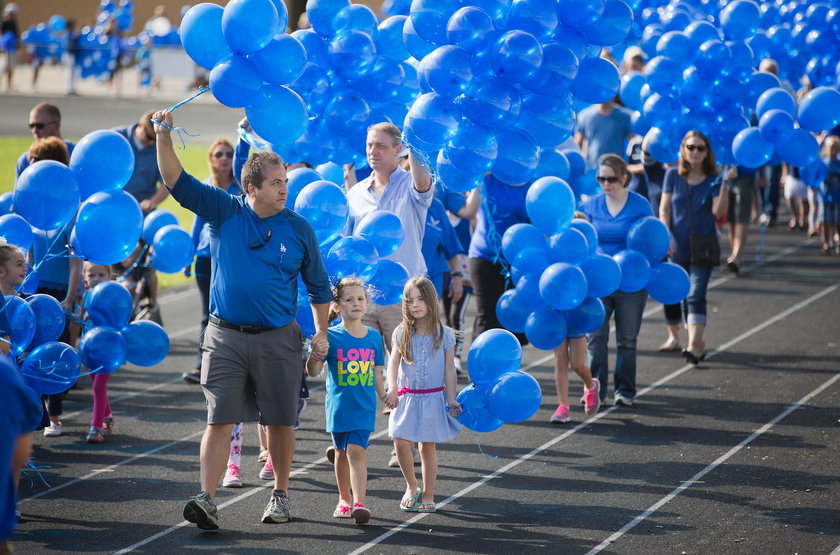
column 384, row 319
column 248, row 377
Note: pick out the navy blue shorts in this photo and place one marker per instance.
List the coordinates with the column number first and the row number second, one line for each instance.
column 356, row 437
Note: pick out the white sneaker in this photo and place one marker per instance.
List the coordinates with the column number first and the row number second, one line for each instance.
column 233, row 479
column 53, row 430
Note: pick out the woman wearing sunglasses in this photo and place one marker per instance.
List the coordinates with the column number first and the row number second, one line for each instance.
column 693, row 194
column 613, row 212
column 220, row 160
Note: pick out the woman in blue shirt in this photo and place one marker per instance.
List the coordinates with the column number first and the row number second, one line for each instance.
column 613, row 212
column 220, row 160
column 693, row 183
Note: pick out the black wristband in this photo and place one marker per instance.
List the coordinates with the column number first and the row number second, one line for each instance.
column 458, row 274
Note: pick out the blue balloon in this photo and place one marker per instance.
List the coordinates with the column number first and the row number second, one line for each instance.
column 30, row 282
column 450, row 176
column 546, row 329
column 447, row 70
column 537, row 17
column 146, row 343
column 663, row 74
column 324, row 205
column 352, row 54
column 559, row 68
column 740, row 19
column 518, row 157
column 612, row 26
column 249, row 25
column 548, row 120
column 16, row 231
column 356, row 17
column 46, row 194
column 102, row 349
column 577, row 165
column 317, row 50
column 528, row 292
column 21, row 321
column 49, row 319
column 6, row 202
column 677, row 46
column 352, row 256
column 282, row 61
column 278, row 114
column 587, row 317
column 550, row 204
column 493, row 353
column 429, row 18
column 589, row 232
column 597, row 81
column 331, row 172
column 172, row 249
column 474, row 413
column 515, row 397
column 235, row 82
column 563, row 286
column 712, row 56
column 630, row 89
column 433, row 119
column 201, row 35
column 383, row 229
column 51, row 368
column 603, row 275
column 650, row 237
column 109, row 304
column 519, row 237
column 473, row 149
column 154, row 221
column 321, row 14
column 553, row 163
column 511, row 313
column 492, row 103
column 800, row 150
column 102, row 161
column 819, row 109
column 470, row 28
column 298, row 179
column 662, row 111
column 569, row 245
column 750, row 149
column 635, row 270
column 516, row 56
column 417, row 46
column 578, row 13
column 389, row 38
column 776, row 126
column 108, row 226
column 388, row 282
column 347, row 114
column 776, row 98
column 669, row 283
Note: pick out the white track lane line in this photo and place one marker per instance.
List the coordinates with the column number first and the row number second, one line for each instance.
column 548, row 444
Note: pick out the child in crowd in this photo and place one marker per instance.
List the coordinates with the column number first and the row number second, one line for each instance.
column 355, row 361
column 101, row 421
column 829, row 214
column 12, row 273
column 421, row 378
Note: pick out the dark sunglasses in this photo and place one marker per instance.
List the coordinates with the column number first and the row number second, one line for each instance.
column 39, row 126
column 607, row 179
column 698, row 148
column 227, row 154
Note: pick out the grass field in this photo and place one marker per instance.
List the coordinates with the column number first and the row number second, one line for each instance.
column 194, row 159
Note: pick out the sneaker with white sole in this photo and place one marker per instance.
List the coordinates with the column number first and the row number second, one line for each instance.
column 622, row 400
column 201, row 511
column 277, row 510
column 267, row 472
column 562, row 415
column 53, row 430
column 232, row 479
column 592, row 399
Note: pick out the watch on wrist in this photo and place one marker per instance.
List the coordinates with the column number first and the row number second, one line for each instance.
column 458, row 274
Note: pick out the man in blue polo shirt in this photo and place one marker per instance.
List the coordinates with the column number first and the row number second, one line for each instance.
column 44, row 121
column 252, row 363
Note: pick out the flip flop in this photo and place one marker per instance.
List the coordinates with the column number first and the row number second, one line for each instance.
column 341, row 511
column 670, row 345
column 427, row 508
column 409, row 504
column 360, row 513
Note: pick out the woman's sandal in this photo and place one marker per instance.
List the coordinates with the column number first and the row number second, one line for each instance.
column 691, row 357
column 670, row 345
column 409, row 503
column 342, row 511
column 426, row 508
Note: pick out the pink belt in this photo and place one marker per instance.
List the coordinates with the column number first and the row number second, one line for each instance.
column 403, row 390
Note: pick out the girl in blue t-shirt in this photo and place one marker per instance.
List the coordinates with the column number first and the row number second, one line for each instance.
column 354, row 380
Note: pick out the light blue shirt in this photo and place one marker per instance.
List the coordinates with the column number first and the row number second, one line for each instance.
column 410, row 206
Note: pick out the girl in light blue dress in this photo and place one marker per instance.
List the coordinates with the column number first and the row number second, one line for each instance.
column 422, row 382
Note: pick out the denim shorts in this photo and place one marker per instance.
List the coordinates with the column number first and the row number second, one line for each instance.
column 356, row 437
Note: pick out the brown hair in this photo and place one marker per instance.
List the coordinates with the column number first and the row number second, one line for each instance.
column 709, row 163
column 338, row 291
column 618, row 165
column 388, row 128
column 49, row 148
column 831, row 145
column 409, row 324
column 220, row 141
column 145, row 122
column 7, row 250
column 253, row 172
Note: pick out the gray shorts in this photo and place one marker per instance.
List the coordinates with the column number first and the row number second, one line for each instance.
column 740, row 199
column 249, row 377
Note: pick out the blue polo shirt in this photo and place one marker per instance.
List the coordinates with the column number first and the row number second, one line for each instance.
column 23, row 160
column 201, row 231
column 143, row 182
column 502, row 205
column 702, row 220
column 440, row 243
column 612, row 230
column 256, row 260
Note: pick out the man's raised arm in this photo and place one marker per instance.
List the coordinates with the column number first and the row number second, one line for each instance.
column 168, row 164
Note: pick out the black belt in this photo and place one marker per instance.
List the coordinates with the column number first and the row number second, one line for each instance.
column 231, row 326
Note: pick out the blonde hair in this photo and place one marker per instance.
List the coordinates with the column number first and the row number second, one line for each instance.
column 409, row 324
column 88, row 265
column 338, row 291
column 389, row 129
column 220, row 141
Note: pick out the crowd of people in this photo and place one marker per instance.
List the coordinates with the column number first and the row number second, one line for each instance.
column 251, row 249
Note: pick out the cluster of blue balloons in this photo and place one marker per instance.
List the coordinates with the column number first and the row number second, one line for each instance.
column 502, row 81
column 702, row 74
column 171, row 246
column 500, row 392
column 560, row 276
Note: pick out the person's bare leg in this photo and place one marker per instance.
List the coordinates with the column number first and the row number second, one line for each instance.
column 358, row 472
column 281, row 447
column 561, row 372
column 429, row 468
column 696, row 343
column 578, row 356
column 405, row 456
column 674, row 332
column 738, row 236
column 213, row 457
column 342, row 477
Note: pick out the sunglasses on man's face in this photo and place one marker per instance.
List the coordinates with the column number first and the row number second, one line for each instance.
column 39, row 126
column 698, row 148
column 227, row 154
column 607, row 179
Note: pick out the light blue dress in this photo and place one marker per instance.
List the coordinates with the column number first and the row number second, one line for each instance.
column 423, row 416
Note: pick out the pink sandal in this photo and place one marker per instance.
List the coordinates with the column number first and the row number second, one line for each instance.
column 341, row 511
column 360, row 513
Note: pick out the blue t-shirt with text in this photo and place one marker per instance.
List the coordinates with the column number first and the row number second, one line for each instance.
column 351, row 379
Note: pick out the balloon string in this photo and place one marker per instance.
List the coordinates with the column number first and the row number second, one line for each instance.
column 254, row 140
column 201, row 91
column 37, row 470
column 135, row 264
column 47, row 256
column 44, row 378
column 486, row 456
column 180, row 131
